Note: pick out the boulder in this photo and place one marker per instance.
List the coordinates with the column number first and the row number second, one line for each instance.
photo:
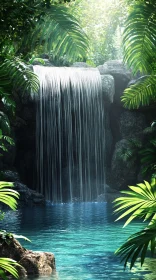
column 108, row 89
column 121, row 76
column 44, row 62
column 10, row 176
column 27, row 196
column 81, row 65
column 33, row 263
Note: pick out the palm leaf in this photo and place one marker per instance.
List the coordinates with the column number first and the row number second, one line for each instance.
column 148, row 156
column 139, row 202
column 9, row 265
column 8, row 196
column 19, row 75
column 137, row 245
column 4, row 124
column 141, row 93
column 60, row 33
column 139, row 37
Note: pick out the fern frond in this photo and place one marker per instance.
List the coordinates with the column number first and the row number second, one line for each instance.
column 141, row 93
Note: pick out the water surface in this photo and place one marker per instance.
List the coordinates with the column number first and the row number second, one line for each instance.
column 83, row 237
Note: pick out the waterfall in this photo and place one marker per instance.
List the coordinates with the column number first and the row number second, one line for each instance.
column 70, row 136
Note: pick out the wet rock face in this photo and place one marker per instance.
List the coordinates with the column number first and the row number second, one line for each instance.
column 108, row 89
column 120, row 74
column 121, row 174
column 81, row 64
column 27, row 196
column 33, row 263
column 132, row 124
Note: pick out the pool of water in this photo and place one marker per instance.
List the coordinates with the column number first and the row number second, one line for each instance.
column 82, row 236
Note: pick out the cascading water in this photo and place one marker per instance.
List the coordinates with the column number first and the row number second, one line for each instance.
column 70, row 136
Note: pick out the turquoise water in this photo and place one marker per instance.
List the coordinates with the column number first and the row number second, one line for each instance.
column 83, row 237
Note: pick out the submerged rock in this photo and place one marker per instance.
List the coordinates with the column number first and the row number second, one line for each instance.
column 33, row 263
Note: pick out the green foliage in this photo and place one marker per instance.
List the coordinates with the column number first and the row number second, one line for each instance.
column 138, row 202
column 4, row 132
column 8, row 195
column 7, row 237
column 148, row 157
column 60, row 32
column 137, row 245
column 30, row 24
column 18, row 74
column 139, row 37
column 129, row 154
column 4, row 124
column 8, row 265
column 141, row 93
column 140, row 53
column 102, row 22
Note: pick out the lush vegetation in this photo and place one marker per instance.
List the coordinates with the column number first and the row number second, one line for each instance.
column 29, row 29
column 139, row 44
column 103, row 22
column 9, row 197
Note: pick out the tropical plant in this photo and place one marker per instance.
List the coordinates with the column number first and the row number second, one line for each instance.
column 148, row 157
column 140, row 53
column 14, row 74
column 129, row 154
column 8, row 265
column 138, row 202
column 32, row 25
column 9, row 197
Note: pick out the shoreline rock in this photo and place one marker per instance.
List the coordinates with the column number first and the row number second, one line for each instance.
column 33, row 263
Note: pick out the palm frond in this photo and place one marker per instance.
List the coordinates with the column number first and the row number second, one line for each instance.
column 4, row 124
column 19, row 75
column 9, row 265
column 140, row 202
column 141, row 93
column 139, row 37
column 149, row 130
column 60, row 33
column 8, row 196
column 148, row 157
column 137, row 246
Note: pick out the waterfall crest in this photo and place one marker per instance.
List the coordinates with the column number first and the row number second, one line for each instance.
column 70, row 136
